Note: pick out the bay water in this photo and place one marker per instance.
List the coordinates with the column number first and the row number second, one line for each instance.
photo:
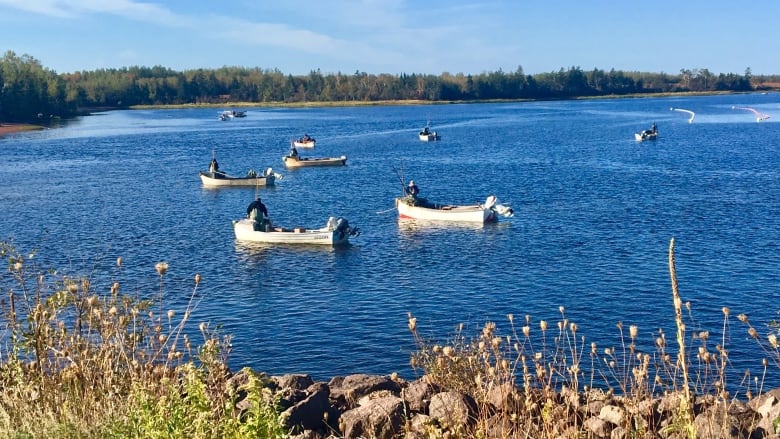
column 595, row 211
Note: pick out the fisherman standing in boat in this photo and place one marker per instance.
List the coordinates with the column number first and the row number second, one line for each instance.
column 259, row 213
column 412, row 190
column 214, row 167
column 293, row 152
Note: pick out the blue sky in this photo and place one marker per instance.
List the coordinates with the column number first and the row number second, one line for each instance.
column 396, row 36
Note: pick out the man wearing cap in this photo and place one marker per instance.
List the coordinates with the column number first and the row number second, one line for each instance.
column 412, row 189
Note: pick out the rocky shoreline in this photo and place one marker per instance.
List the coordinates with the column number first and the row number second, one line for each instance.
column 385, row 407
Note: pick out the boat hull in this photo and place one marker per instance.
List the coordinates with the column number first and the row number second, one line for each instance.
column 292, row 162
column 641, row 137
column 244, row 231
column 209, row 180
column 304, row 144
column 432, row 137
column 434, row 212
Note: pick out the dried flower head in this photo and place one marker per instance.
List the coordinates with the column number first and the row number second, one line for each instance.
column 488, row 330
column 633, row 330
column 543, row 325
column 161, row 267
column 119, row 261
column 197, row 278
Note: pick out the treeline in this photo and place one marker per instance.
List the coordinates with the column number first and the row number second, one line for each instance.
column 32, row 92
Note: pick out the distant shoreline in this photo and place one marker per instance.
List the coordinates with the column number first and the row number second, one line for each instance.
column 13, row 128
column 7, row 128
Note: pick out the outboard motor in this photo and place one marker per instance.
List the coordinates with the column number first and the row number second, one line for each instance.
column 504, row 211
column 490, row 202
column 342, row 226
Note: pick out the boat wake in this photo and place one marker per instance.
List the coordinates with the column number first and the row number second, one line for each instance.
column 685, row 111
column 759, row 115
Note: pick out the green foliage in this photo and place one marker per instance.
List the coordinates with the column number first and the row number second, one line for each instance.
column 31, row 91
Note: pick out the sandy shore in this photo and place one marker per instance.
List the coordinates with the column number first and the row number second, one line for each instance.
column 11, row 128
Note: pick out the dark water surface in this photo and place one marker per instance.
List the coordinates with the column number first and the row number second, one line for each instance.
column 595, row 212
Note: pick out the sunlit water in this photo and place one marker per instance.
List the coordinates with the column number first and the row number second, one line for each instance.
column 595, row 212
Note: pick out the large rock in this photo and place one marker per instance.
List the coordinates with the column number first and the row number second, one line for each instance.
column 381, row 418
column 725, row 420
column 347, row 391
column 453, row 410
column 768, row 406
column 418, row 395
column 308, row 413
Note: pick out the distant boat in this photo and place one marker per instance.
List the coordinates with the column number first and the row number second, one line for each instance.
column 253, row 179
column 426, row 135
column 417, row 208
column 230, row 114
column 293, row 160
column 305, row 142
column 336, row 232
column 650, row 134
column 685, row 111
column 216, row 177
column 300, row 162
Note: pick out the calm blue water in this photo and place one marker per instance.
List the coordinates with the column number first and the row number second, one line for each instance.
column 595, row 212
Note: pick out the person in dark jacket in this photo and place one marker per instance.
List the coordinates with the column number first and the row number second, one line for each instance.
column 255, row 208
column 259, row 213
column 412, row 189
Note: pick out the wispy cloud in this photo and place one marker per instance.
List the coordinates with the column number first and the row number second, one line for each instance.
column 73, row 9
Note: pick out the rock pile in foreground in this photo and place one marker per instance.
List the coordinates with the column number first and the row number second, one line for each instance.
column 369, row 406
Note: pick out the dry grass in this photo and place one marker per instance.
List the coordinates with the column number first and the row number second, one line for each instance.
column 78, row 363
column 555, row 367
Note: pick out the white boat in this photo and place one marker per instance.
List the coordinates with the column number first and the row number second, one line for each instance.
column 222, row 179
column 305, row 142
column 426, row 135
column 418, row 208
column 300, row 162
column 650, row 134
column 230, row 114
column 336, row 232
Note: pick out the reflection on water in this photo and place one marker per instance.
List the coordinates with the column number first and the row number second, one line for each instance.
column 410, row 225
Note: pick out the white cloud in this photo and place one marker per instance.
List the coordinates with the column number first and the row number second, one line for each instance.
column 139, row 11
